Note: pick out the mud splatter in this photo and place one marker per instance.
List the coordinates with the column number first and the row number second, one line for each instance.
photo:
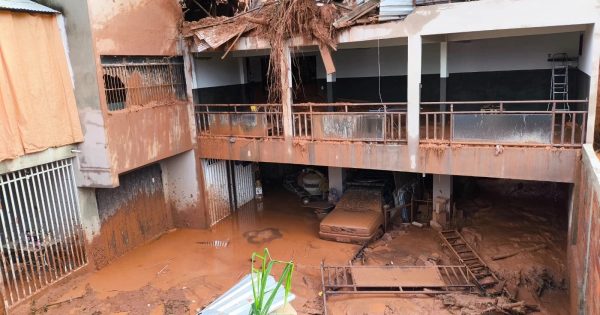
column 262, row 236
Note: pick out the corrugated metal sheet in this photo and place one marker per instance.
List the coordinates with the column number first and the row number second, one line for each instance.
column 25, row 5
column 237, row 300
column 394, row 9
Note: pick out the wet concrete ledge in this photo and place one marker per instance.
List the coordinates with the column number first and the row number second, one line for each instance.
column 525, row 163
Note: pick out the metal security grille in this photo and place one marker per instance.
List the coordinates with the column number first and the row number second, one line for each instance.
column 140, row 81
column 216, row 182
column 244, row 183
column 41, row 236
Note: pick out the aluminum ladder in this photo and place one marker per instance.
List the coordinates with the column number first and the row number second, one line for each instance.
column 559, row 86
column 479, row 271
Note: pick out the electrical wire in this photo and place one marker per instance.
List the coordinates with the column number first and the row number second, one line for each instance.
column 379, row 73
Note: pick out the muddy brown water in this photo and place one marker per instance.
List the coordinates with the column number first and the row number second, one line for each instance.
column 181, row 272
column 179, row 269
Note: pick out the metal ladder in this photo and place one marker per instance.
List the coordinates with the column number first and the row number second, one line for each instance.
column 481, row 274
column 559, row 86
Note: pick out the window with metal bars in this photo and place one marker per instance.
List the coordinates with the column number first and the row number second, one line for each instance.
column 140, row 81
column 41, row 238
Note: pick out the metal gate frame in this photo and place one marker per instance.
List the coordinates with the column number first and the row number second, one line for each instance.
column 42, row 239
column 229, row 185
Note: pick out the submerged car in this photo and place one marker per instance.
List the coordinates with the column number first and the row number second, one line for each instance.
column 357, row 218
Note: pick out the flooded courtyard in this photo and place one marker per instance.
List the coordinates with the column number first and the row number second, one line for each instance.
column 184, row 270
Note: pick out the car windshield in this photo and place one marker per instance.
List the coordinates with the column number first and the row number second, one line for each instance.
column 361, row 200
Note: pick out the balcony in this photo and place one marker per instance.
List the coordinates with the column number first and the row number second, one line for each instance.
column 488, row 138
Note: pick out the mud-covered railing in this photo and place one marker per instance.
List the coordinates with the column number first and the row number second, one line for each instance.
column 365, row 122
column 519, row 123
column 239, row 120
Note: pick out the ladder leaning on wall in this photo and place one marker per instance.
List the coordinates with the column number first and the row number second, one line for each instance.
column 559, row 85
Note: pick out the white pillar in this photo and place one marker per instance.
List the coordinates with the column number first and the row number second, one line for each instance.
column 286, row 92
column 243, row 78
column 183, row 189
column 443, row 72
column 330, row 88
column 242, row 70
column 589, row 63
column 337, row 177
column 413, row 96
column 442, row 187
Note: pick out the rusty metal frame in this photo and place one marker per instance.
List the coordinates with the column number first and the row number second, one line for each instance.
column 455, row 276
column 139, row 82
column 450, row 237
column 272, row 112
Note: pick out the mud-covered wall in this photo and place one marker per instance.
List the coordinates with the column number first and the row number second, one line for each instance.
column 131, row 214
column 140, row 137
column 584, row 236
column 512, row 163
column 135, row 27
column 597, row 129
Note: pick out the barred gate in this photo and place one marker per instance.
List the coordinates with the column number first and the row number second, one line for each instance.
column 217, row 189
column 41, row 237
column 244, row 183
column 229, row 185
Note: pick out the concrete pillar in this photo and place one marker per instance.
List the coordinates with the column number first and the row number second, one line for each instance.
column 589, row 63
column 184, row 189
column 413, row 96
column 88, row 212
column 442, row 187
column 443, row 72
column 331, row 88
column 286, row 92
column 337, row 177
column 243, row 79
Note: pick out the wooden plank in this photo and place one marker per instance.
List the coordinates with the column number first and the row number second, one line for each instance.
column 355, row 14
column 327, row 60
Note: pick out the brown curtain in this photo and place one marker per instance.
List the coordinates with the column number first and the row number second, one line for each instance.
column 37, row 104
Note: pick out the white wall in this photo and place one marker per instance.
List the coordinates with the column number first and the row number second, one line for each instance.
column 212, row 71
column 511, row 53
column 498, row 54
column 363, row 62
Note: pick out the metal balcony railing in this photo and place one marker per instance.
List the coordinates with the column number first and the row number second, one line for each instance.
column 133, row 81
column 521, row 123
column 245, row 121
column 367, row 122
column 514, row 123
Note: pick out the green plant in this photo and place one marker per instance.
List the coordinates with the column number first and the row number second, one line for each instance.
column 263, row 299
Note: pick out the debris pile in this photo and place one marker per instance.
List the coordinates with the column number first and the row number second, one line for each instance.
column 279, row 21
column 470, row 304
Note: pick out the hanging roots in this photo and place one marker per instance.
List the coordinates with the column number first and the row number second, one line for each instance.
column 294, row 18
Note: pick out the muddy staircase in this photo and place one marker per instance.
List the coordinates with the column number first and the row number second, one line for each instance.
column 478, row 270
